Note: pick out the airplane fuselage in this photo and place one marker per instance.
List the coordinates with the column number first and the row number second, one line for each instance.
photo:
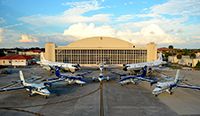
column 164, row 87
column 139, row 66
column 37, row 89
column 65, row 66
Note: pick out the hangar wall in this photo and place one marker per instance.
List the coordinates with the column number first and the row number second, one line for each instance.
column 101, row 49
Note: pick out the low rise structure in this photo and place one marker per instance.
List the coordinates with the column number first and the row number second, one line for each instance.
column 186, row 60
column 15, row 60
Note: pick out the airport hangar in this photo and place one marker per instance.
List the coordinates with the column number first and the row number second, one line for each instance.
column 92, row 50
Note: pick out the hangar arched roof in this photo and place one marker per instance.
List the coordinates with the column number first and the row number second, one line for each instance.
column 101, row 42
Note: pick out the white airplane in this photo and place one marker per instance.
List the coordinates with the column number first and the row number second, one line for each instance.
column 33, row 88
column 64, row 66
column 131, row 79
column 101, row 77
column 138, row 66
column 69, row 79
column 168, row 86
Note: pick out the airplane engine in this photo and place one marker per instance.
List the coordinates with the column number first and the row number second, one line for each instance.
column 108, row 78
column 93, row 78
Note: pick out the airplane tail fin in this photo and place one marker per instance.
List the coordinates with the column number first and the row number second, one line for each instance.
column 160, row 57
column 177, row 76
column 21, row 77
column 42, row 57
column 144, row 71
column 57, row 71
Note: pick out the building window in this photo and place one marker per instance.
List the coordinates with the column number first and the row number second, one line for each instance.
column 4, row 62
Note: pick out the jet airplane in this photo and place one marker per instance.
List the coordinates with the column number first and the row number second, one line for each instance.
column 168, row 86
column 64, row 66
column 138, row 66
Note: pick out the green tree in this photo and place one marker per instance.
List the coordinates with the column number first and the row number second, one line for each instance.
column 179, row 56
column 171, row 47
column 1, row 53
column 198, row 64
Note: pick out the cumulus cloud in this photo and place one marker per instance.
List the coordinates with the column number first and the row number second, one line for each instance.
column 151, row 33
column 82, row 30
column 28, row 38
column 1, row 30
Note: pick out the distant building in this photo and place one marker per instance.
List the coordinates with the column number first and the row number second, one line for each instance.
column 186, row 60
column 91, row 50
column 10, row 51
column 31, row 52
column 15, row 60
column 163, row 49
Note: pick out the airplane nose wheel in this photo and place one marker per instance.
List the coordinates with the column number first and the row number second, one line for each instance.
column 29, row 95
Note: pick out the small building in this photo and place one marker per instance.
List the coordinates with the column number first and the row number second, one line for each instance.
column 186, row 60
column 31, row 52
column 163, row 49
column 15, row 60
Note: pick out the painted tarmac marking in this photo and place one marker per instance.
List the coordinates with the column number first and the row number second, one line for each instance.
column 101, row 107
column 58, row 101
column 21, row 111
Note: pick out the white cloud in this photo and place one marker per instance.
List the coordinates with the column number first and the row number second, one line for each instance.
column 1, row 37
column 151, row 33
column 13, row 25
column 82, row 30
column 1, row 30
column 124, row 18
column 177, row 7
column 2, row 20
column 72, row 15
column 145, row 9
column 79, row 8
column 28, row 38
column 148, row 15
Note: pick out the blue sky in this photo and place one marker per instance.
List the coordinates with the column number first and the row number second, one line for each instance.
column 27, row 23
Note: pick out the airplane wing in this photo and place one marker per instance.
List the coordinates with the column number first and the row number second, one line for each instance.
column 13, row 88
column 190, row 87
column 89, row 67
column 82, row 75
column 145, row 79
column 118, row 73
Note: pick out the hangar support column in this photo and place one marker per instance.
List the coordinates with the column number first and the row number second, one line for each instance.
column 50, row 51
column 151, row 52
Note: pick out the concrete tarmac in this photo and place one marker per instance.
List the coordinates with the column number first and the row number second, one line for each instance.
column 117, row 100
